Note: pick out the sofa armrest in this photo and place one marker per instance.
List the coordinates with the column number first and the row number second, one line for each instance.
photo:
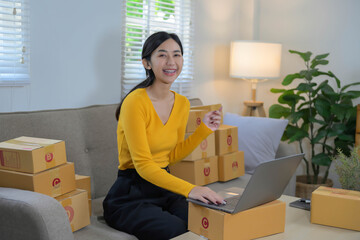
column 30, row 215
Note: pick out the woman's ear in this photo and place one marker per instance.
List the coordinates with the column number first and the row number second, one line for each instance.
column 146, row 64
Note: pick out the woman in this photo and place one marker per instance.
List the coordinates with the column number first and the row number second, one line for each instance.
column 146, row 200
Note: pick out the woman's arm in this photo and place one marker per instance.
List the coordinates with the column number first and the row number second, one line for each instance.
column 210, row 123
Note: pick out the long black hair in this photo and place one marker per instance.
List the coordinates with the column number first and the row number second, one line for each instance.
column 151, row 43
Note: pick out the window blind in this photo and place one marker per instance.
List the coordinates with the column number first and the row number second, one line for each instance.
column 142, row 18
column 14, row 42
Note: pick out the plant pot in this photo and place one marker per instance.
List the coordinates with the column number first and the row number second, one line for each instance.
column 304, row 190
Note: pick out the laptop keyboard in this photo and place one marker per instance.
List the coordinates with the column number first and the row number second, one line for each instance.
column 230, row 203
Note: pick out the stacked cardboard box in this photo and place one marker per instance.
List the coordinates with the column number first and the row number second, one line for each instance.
column 231, row 160
column 201, row 166
column 218, row 151
column 40, row 165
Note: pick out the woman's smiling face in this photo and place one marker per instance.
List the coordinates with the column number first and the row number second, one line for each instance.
column 166, row 62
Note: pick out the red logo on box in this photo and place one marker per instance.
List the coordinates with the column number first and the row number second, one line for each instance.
column 203, row 145
column 56, row 182
column 229, row 140
column 205, row 222
column 70, row 212
column 207, row 171
column 49, row 157
column 198, row 121
column 235, row 165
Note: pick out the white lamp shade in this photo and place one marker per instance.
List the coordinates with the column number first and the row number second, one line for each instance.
column 255, row 60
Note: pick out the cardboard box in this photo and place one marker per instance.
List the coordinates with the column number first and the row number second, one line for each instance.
column 336, row 208
column 53, row 182
column 31, row 155
column 209, row 108
column 231, row 166
column 226, row 140
column 199, row 172
column 83, row 182
column 90, row 212
column 195, row 119
column 204, row 150
column 76, row 204
column 253, row 223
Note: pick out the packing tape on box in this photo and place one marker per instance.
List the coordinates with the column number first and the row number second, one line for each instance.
column 67, row 205
column 25, row 143
column 55, row 182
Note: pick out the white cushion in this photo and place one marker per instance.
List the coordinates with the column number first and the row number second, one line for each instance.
column 259, row 137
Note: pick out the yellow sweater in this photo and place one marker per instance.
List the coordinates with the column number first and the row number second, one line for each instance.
column 146, row 144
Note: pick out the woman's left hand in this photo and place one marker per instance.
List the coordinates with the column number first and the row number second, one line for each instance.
column 212, row 119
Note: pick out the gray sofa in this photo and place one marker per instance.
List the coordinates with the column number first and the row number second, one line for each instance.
column 90, row 137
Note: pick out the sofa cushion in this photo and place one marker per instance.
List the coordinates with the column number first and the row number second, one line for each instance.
column 259, row 137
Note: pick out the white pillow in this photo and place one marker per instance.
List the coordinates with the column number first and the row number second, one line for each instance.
column 259, row 137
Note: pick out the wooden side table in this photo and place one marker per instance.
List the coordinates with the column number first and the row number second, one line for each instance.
column 252, row 106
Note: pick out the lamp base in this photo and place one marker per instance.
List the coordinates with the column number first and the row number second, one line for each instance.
column 252, row 106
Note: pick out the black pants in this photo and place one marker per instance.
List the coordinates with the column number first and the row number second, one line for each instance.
column 138, row 207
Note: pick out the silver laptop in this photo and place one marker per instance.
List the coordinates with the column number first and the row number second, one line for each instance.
column 266, row 184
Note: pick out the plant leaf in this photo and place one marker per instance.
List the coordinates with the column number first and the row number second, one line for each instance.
column 345, row 137
column 314, row 63
column 321, row 159
column 304, row 55
column 304, row 87
column 351, row 94
column 321, row 56
column 340, row 110
column 295, row 133
column 277, row 90
column 323, row 107
column 331, row 74
column 319, row 136
column 290, row 78
column 278, row 111
column 349, row 85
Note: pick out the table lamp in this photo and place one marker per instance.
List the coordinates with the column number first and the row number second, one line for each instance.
column 255, row 62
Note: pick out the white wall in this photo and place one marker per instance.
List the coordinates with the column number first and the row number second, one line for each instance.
column 75, row 56
column 319, row 26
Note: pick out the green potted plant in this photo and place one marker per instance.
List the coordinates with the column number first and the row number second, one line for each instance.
column 348, row 169
column 320, row 116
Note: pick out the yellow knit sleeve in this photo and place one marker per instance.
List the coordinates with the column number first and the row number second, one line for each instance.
column 133, row 119
column 185, row 147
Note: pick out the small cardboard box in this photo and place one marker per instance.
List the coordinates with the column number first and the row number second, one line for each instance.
column 53, row 182
column 231, row 166
column 31, row 155
column 226, row 140
column 83, row 182
column 199, row 172
column 76, row 204
column 204, row 150
column 195, row 119
column 336, row 208
column 209, row 108
column 261, row 221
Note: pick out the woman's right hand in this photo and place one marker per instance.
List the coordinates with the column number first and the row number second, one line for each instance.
column 206, row 195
